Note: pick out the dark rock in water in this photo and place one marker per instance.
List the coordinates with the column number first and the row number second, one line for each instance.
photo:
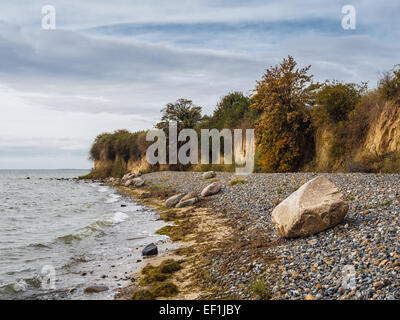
column 27, row 178
column 123, row 205
column 150, row 250
column 138, row 260
column 95, row 289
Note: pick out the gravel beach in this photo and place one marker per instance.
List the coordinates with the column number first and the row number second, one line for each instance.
column 366, row 242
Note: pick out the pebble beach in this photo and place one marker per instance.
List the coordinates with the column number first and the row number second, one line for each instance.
column 314, row 267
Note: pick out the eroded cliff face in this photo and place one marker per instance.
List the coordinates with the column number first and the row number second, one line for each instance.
column 384, row 134
column 381, row 141
column 121, row 166
column 323, row 138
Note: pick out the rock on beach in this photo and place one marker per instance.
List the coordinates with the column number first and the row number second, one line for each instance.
column 211, row 189
column 314, row 207
column 208, row 175
column 172, row 201
column 150, row 250
column 95, row 289
column 186, row 203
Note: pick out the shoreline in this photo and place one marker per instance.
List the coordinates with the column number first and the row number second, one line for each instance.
column 252, row 262
column 199, row 237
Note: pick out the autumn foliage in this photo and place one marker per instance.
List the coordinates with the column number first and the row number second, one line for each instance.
column 284, row 135
column 295, row 121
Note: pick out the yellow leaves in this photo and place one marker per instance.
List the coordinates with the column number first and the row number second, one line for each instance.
column 283, row 93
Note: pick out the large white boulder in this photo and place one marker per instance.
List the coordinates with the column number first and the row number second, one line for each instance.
column 314, row 207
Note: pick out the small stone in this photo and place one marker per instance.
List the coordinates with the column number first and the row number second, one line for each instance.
column 150, row 250
column 95, row 289
column 208, row 175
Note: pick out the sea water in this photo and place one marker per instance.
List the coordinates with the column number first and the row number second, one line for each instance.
column 59, row 235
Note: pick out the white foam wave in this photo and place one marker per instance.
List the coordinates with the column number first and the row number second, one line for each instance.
column 113, row 198
column 19, row 286
column 119, row 217
column 103, row 189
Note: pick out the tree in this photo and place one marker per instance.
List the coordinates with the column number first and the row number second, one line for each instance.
column 186, row 115
column 183, row 111
column 233, row 111
column 338, row 100
column 284, row 134
column 389, row 84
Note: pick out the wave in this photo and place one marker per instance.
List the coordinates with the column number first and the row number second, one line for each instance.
column 39, row 246
column 103, row 189
column 113, row 198
column 85, row 232
column 119, row 217
column 97, row 226
column 21, row 285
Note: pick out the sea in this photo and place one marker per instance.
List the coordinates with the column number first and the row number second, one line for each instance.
column 60, row 235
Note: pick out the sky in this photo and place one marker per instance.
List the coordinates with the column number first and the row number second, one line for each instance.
column 112, row 65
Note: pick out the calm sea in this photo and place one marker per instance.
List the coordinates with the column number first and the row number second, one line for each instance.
column 59, row 236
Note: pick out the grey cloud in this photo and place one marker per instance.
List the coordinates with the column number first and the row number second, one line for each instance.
column 132, row 77
column 117, row 75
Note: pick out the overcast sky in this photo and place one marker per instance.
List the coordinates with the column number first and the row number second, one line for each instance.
column 114, row 64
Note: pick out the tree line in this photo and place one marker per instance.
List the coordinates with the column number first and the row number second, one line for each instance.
column 287, row 109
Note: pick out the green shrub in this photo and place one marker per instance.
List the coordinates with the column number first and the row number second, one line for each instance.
column 389, row 84
column 260, row 290
column 122, row 143
column 237, row 181
column 337, row 100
